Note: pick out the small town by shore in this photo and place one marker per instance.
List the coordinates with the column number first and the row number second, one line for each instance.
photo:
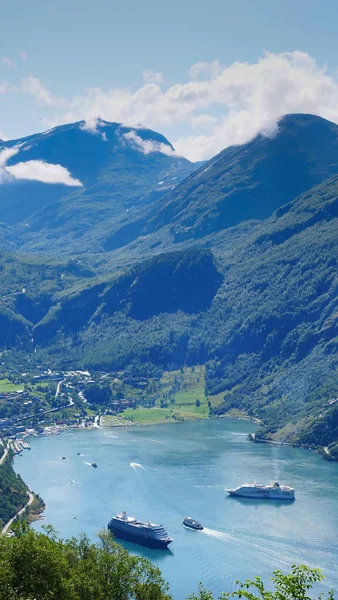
column 47, row 402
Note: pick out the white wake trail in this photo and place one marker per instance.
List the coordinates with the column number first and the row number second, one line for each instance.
column 136, row 466
column 220, row 535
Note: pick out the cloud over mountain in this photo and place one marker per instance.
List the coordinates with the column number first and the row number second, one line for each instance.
column 38, row 170
column 148, row 146
column 34, row 170
column 216, row 107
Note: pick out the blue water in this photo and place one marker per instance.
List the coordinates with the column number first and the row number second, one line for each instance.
column 167, row 472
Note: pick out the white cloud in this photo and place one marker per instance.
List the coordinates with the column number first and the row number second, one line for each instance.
column 34, row 170
column 6, row 88
column 32, row 86
column 148, row 146
column 205, row 70
column 150, row 76
column 216, row 107
column 8, row 62
column 38, row 170
column 91, row 125
column 94, row 125
column 239, row 101
column 5, row 155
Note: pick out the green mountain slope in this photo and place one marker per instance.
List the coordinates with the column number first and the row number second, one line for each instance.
column 13, row 491
column 28, row 288
column 262, row 316
column 241, row 183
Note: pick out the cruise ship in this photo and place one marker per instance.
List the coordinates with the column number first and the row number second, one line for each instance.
column 274, row 491
column 147, row 534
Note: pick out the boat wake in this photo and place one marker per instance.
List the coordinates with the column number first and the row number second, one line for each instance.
column 87, row 463
column 136, row 466
column 220, row 535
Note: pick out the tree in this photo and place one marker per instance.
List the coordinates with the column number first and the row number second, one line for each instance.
column 197, row 403
column 96, row 394
column 40, row 566
column 293, row 586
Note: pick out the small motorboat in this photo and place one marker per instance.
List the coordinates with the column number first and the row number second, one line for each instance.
column 189, row 522
column 94, row 465
column 78, row 453
column 63, row 457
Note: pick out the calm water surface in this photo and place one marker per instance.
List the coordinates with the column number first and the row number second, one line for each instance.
column 167, row 472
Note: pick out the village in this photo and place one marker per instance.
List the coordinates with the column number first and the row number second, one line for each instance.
column 49, row 402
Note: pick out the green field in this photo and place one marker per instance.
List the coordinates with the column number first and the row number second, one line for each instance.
column 179, row 390
column 148, row 416
column 6, row 386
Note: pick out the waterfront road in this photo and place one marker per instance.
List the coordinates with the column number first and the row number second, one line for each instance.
column 7, row 527
column 3, row 458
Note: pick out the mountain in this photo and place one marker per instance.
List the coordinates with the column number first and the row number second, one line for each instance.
column 57, row 186
column 261, row 313
column 239, row 184
column 256, row 303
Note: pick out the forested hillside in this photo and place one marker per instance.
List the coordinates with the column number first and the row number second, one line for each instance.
column 242, row 183
column 13, row 492
column 255, row 303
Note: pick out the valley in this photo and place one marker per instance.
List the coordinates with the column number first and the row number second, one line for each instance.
column 187, row 291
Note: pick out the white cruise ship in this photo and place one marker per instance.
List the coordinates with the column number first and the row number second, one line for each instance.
column 274, row 491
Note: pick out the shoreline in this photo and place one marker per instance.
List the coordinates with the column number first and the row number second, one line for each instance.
column 321, row 450
column 125, row 423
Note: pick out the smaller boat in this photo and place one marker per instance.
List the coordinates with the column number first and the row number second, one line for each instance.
column 72, row 481
column 94, row 465
column 189, row 522
column 78, row 453
column 63, row 457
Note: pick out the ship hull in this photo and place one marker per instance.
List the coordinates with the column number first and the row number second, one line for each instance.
column 197, row 527
column 129, row 536
column 267, row 496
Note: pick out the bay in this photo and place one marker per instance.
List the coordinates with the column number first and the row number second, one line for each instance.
column 167, row 472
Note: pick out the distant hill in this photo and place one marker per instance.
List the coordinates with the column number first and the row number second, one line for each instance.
column 239, row 184
column 94, row 177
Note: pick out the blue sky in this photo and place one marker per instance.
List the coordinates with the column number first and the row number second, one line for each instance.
column 82, row 59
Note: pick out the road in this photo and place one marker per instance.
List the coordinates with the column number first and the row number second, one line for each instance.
column 58, row 386
column 3, row 458
column 10, row 523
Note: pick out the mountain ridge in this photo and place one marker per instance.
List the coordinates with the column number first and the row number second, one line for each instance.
column 108, row 172
column 241, row 183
